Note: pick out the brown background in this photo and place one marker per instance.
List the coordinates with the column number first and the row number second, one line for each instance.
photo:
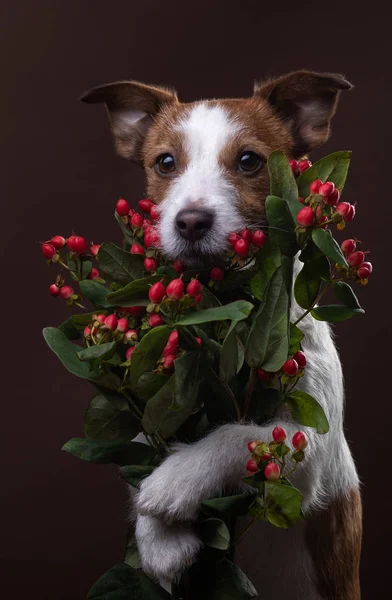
column 64, row 520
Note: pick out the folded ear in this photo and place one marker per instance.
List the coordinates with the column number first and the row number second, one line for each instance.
column 132, row 107
column 307, row 102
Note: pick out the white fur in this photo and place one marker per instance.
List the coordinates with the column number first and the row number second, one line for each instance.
column 205, row 130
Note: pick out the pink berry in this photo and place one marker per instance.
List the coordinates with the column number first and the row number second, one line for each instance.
column 129, row 352
column 136, row 220
column 241, row 248
column 304, row 165
column 95, row 249
column 178, row 266
column 348, row 246
column 355, row 259
column 168, row 363
column 145, row 205
column 66, row 292
column 323, row 219
column 300, row 358
column 78, row 244
column 253, row 445
column 175, row 289
column 246, row 234
column 306, row 217
column 217, row 274
column 365, row 270
column 259, row 238
column 294, row 167
column 110, row 322
column 122, row 207
column 300, row 440
column 193, row 288
column 199, row 341
column 54, row 290
column 346, row 210
column 151, row 238
column 301, row 200
column 326, row 189
column 290, row 367
column 150, row 264
column 58, row 241
column 262, row 375
column 233, row 238
column 157, row 292
column 100, row 318
column 154, row 213
column 48, row 250
column 122, row 325
column 198, row 298
column 87, row 332
column 252, row 466
column 272, row 471
column 333, row 198
column 136, row 249
column 315, row 186
column 155, row 320
column 94, row 274
column 279, row 434
column 135, row 311
column 131, row 335
column 265, row 456
column 173, row 338
column 169, row 349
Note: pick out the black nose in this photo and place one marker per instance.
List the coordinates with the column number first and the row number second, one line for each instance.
column 193, row 224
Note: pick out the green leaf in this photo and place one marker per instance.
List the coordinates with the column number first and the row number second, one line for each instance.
column 345, row 294
column 148, row 351
column 68, row 354
column 108, row 417
column 268, row 259
column 268, row 342
column 228, row 506
column 119, row 265
column 133, row 294
column 333, row 167
column 95, row 292
column 296, row 336
column 328, row 245
column 99, row 353
column 232, row 355
column 222, row 580
column 307, row 286
column 105, row 451
column 132, row 556
column 334, row 313
column 283, row 504
column 72, row 326
column 124, row 583
column 133, row 474
column 281, row 225
column 86, row 268
column 282, row 181
column 214, row 533
column 127, row 233
column 305, row 410
column 148, row 385
column 235, row 311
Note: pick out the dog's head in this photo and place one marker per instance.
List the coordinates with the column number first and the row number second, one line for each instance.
column 205, row 162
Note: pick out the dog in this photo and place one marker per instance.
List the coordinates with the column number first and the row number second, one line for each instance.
column 205, row 164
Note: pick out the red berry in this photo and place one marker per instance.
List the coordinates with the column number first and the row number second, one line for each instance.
column 151, row 238
column 304, row 165
column 233, row 238
column 155, row 320
column 301, row 200
column 122, row 325
column 326, row 189
column 157, row 292
column 272, row 471
column 346, row 210
column 173, row 338
column 306, row 217
column 150, row 264
column 178, row 266
column 122, row 207
column 66, row 292
column 315, row 186
column 129, row 352
column 365, row 270
column 355, row 259
column 95, row 249
column 198, row 298
column 100, row 318
column 169, row 349
column 262, row 375
column 131, row 335
column 168, row 363
column 333, row 198
column 246, row 234
column 300, row 440
column 252, row 466
column 57, row 241
column 217, row 274
column 78, row 244
column 348, row 246
column 154, row 213
column 300, row 358
column 294, row 167
column 110, row 322
column 265, row 456
column 279, row 434
column 136, row 249
column 193, row 288
column 136, row 220
column 145, row 205
column 87, row 332
column 94, row 274
column 290, row 367
column 135, row 311
column 323, row 219
column 54, row 290
column 241, row 248
column 48, row 250
column 175, row 289
column 199, row 341
column 253, row 445
column 259, row 238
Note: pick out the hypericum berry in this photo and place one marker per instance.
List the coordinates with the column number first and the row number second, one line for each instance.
column 279, row 434
column 272, row 471
column 129, row 352
column 252, row 466
column 100, row 318
column 300, row 440
column 348, row 246
column 173, row 338
column 193, row 288
column 233, row 238
column 168, row 362
column 48, row 250
column 290, row 367
column 151, row 238
column 306, row 217
column 241, row 248
column 154, row 213
column 122, row 325
column 355, row 259
column 175, row 289
column 54, row 289
column 365, row 270
column 304, row 165
column 315, row 186
column 300, row 359
column 198, row 298
column 147, row 223
column 333, row 198
column 155, row 320
column 87, row 332
column 136, row 220
column 94, row 274
column 122, row 207
column 78, row 244
column 157, row 292
column 259, row 238
column 58, row 241
column 326, row 189
column 199, row 341
column 94, row 249
column 217, row 274
column 131, row 335
column 265, row 456
column 110, row 322
column 150, row 264
column 246, row 234
column 145, row 205
column 136, row 249
column 253, row 445
column 346, row 210
column 136, row 311
column 66, row 292
column 262, row 375
column 301, row 200
column 323, row 219
column 294, row 167
column 178, row 266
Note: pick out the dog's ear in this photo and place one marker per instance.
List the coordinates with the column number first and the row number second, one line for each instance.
column 132, row 107
column 306, row 101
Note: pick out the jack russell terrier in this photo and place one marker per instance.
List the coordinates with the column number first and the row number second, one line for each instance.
column 205, row 164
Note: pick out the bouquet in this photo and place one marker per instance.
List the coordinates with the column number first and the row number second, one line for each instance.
column 171, row 353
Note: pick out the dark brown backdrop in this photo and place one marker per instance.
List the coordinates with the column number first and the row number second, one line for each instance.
column 64, row 520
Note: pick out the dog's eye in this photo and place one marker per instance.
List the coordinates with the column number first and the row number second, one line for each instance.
column 249, row 161
column 165, row 164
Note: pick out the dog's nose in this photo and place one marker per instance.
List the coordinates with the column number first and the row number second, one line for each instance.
column 193, row 224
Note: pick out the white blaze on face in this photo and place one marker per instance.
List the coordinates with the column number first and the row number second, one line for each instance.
column 205, row 131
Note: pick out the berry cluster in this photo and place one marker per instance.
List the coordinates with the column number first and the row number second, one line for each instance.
column 271, row 457
column 173, row 298
column 291, row 371
column 143, row 230
column 171, row 351
column 299, row 166
column 323, row 207
column 107, row 328
column 359, row 269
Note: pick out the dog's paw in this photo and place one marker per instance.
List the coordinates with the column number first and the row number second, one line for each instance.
column 165, row 550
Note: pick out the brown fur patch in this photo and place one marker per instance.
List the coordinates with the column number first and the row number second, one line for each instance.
column 333, row 538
